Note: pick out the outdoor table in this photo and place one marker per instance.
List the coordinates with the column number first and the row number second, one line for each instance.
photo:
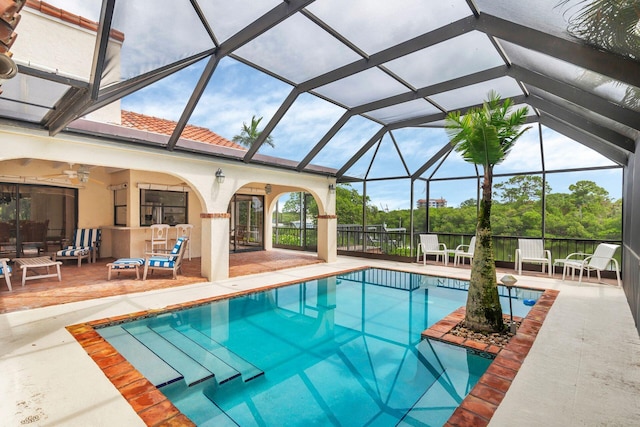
column 38, row 262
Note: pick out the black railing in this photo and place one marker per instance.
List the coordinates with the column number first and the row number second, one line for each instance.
column 397, row 244
column 295, row 238
column 388, row 243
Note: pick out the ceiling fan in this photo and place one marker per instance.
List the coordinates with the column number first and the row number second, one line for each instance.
column 81, row 175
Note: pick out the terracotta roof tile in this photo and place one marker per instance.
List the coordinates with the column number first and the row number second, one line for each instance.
column 165, row 127
column 72, row 18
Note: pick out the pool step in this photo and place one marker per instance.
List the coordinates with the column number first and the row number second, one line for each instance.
column 192, row 371
column 222, row 371
column 246, row 369
column 156, row 370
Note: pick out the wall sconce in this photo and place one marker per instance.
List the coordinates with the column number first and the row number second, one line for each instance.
column 332, row 188
column 220, row 176
column 267, row 188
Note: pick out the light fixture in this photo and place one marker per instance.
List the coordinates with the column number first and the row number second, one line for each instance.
column 83, row 174
column 220, row 176
column 509, row 281
column 8, row 68
column 332, row 188
column 267, row 188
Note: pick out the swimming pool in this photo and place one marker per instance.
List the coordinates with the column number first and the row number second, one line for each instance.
column 342, row 350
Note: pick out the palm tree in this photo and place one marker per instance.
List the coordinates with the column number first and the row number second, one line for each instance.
column 249, row 134
column 610, row 25
column 484, row 136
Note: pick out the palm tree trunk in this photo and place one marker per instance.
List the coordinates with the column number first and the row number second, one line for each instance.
column 484, row 312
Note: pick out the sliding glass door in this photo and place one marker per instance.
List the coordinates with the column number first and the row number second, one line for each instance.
column 35, row 219
column 247, row 223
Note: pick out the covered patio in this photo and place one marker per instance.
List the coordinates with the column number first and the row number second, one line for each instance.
column 90, row 281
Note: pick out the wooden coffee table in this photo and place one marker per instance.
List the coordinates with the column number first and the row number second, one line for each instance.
column 38, row 262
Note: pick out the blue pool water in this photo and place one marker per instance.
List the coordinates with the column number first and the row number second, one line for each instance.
column 336, row 351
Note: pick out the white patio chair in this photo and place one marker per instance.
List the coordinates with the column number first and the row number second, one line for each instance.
column 599, row 261
column 184, row 230
column 430, row 246
column 532, row 250
column 461, row 253
column 159, row 237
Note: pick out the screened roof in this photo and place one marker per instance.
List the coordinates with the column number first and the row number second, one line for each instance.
column 338, row 83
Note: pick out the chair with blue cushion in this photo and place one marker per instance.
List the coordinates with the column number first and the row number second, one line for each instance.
column 166, row 261
column 5, row 271
column 85, row 245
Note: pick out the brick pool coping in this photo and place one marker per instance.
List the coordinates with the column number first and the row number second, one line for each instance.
column 482, row 401
column 153, row 407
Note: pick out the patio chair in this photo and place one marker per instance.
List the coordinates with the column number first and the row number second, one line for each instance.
column 598, row 261
column 533, row 251
column 430, row 246
column 185, row 230
column 461, row 253
column 159, row 237
column 5, row 271
column 86, row 245
column 166, row 261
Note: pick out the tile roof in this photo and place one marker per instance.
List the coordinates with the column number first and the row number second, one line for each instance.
column 165, row 127
column 72, row 18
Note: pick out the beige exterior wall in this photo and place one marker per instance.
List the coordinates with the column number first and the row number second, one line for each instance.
column 50, row 41
column 46, row 42
column 114, row 164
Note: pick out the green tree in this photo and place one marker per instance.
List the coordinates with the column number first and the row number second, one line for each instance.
column 250, row 133
column 484, row 136
column 469, row 203
column 294, row 205
column 349, row 204
column 521, row 189
column 608, row 25
column 588, row 194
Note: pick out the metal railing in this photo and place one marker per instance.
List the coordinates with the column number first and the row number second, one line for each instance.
column 398, row 244
column 387, row 244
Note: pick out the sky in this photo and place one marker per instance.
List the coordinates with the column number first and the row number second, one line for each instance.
column 236, row 92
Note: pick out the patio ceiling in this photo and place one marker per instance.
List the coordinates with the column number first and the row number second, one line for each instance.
column 382, row 65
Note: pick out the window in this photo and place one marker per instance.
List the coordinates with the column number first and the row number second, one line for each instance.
column 163, row 207
column 120, row 206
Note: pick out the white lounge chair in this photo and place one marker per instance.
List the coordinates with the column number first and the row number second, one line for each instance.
column 429, row 245
column 86, row 245
column 598, row 261
column 533, row 251
column 461, row 253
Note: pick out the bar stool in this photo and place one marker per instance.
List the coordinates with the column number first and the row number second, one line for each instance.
column 159, row 236
column 185, row 230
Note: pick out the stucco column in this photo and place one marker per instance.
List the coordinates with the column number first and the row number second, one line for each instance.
column 215, row 245
column 327, row 237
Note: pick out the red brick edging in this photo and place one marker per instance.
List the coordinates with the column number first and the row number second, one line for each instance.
column 483, row 400
column 476, row 409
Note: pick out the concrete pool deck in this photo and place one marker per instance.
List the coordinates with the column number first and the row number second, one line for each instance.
column 583, row 368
